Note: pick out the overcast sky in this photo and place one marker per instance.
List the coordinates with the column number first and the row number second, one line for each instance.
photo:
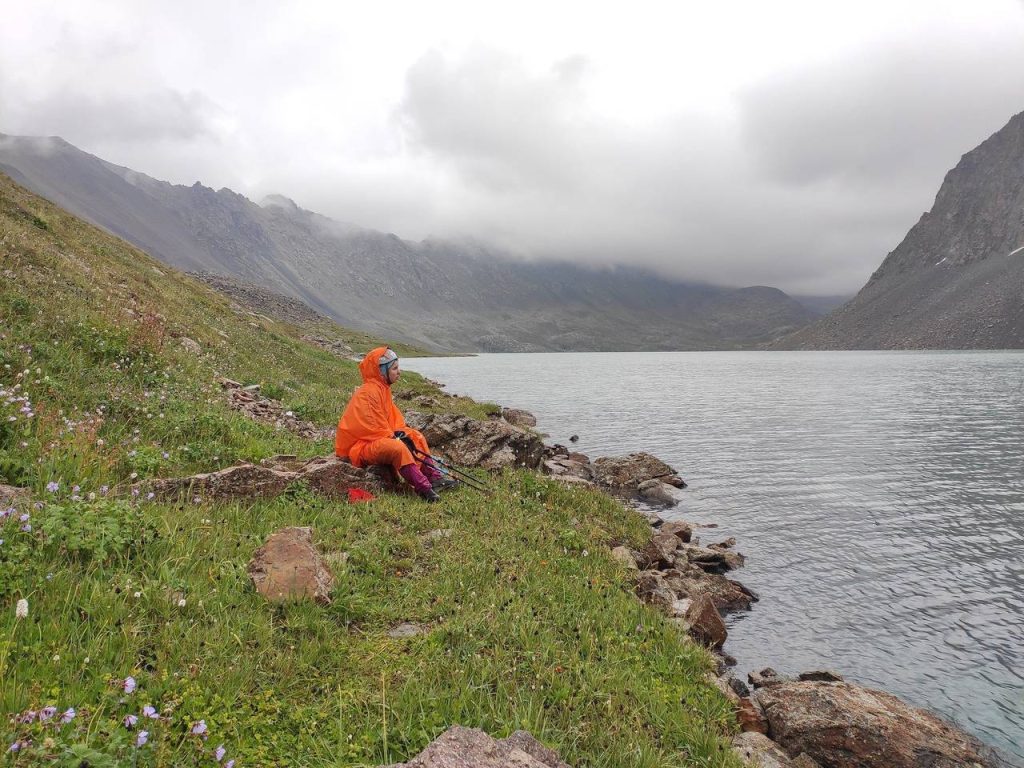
column 741, row 143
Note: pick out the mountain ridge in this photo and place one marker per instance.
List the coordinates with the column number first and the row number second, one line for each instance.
column 956, row 280
column 446, row 296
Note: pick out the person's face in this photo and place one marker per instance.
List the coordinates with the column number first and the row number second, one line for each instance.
column 393, row 373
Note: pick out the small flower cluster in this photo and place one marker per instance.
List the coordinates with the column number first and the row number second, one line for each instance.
column 17, row 404
column 47, row 717
column 22, row 520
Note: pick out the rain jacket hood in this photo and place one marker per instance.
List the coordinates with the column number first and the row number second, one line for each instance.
column 369, row 367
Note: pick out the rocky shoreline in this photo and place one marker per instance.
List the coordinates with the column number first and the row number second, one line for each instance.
column 817, row 719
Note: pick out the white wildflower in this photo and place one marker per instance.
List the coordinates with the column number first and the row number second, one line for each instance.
column 21, row 611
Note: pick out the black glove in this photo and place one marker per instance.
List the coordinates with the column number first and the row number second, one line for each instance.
column 400, row 435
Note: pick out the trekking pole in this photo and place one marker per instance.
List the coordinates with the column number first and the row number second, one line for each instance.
column 461, row 476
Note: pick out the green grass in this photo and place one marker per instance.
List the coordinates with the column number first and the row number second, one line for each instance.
column 528, row 622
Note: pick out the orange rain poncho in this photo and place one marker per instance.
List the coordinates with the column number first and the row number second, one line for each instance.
column 367, row 427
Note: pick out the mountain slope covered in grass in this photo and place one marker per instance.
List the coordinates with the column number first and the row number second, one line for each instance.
column 129, row 631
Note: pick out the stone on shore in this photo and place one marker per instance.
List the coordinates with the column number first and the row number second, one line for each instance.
column 627, row 472
column 684, row 531
column 624, row 556
column 842, row 725
column 727, row 594
column 706, row 625
column 657, row 492
column 517, row 417
column 469, row 442
column 461, row 747
column 659, row 550
column 757, row 750
column 288, row 567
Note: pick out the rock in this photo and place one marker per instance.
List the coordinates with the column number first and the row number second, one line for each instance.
column 574, row 439
column 821, row 676
column 657, row 492
column 706, row 625
column 405, row 629
column 519, row 418
column 190, row 345
column 624, row 556
column 750, row 716
column 469, row 442
column 727, row 544
column 683, row 531
column 841, row 725
column 659, row 550
column 249, row 401
column 426, row 401
column 460, row 747
column 738, row 686
column 756, row 749
column 708, row 559
column 651, row 589
column 766, row 677
column 727, row 594
column 11, row 495
column 627, row 472
column 563, row 466
column 327, row 475
column 288, row 567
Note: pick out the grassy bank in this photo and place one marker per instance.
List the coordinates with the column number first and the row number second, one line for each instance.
column 528, row 622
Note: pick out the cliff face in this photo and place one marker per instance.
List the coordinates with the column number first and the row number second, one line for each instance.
column 957, row 279
column 436, row 294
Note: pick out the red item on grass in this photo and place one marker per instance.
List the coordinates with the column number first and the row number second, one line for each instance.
column 358, row 494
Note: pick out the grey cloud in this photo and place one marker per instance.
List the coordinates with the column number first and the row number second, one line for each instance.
column 161, row 114
column 883, row 113
column 822, row 174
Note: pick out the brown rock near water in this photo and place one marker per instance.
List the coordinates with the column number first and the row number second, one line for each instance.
column 706, row 625
column 727, row 594
column 627, row 472
column 470, row 442
column 519, row 418
column 288, row 567
column 460, row 747
column 842, row 725
column 684, row 531
column 659, row 550
column 756, row 749
column 657, row 492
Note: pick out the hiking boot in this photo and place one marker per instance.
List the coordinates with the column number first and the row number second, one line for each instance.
column 430, row 496
column 443, row 483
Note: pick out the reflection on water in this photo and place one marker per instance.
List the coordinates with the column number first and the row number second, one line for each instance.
column 879, row 498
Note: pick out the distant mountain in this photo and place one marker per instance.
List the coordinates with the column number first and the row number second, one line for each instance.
column 957, row 279
column 442, row 295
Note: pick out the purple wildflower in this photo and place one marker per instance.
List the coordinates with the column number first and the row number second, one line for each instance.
column 219, row 753
column 68, row 716
column 24, row 517
column 76, row 489
column 16, row 746
column 130, row 721
column 27, row 528
column 5, row 513
column 104, row 489
column 150, row 712
column 28, row 716
column 46, row 713
column 129, row 684
column 53, row 486
column 230, row 763
column 150, row 496
column 142, row 738
column 199, row 729
column 135, row 491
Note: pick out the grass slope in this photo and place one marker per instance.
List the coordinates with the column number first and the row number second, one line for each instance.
column 135, row 604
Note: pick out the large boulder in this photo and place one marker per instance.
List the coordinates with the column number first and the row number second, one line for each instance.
column 460, row 747
column 842, row 725
column 470, row 442
column 288, row 567
column 657, row 492
column 627, row 472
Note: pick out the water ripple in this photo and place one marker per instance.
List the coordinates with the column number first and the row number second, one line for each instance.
column 879, row 498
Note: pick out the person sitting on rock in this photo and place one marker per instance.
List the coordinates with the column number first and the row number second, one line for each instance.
column 373, row 431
